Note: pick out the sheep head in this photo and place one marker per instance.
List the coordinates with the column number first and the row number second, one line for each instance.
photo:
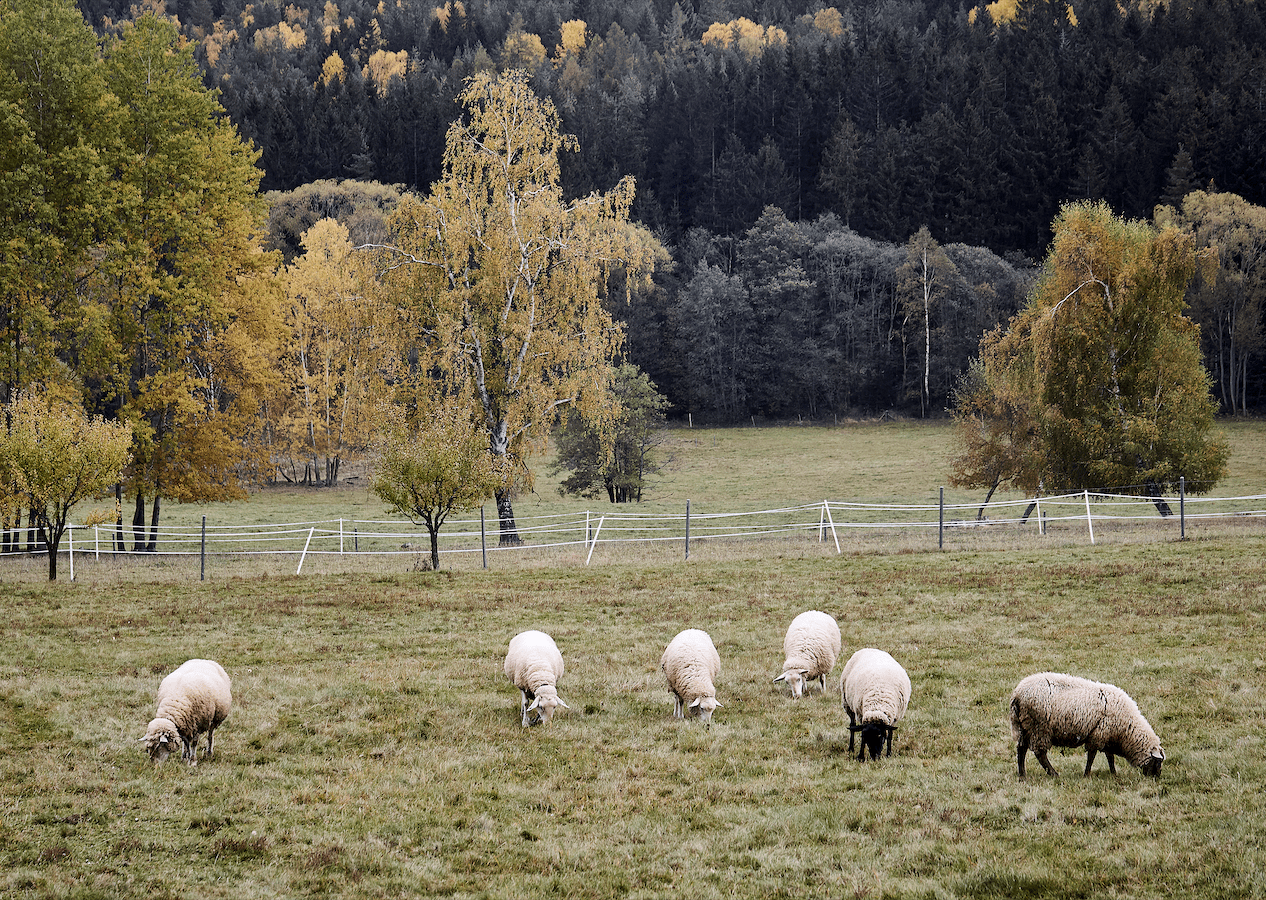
column 704, row 707
column 545, row 702
column 161, row 739
column 1152, row 765
column 874, row 734
column 796, row 679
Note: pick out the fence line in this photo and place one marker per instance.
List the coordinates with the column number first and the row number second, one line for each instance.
column 388, row 537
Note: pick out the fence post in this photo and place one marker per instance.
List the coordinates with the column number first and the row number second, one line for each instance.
column 1089, row 523
column 305, row 549
column 70, row 547
column 1041, row 526
column 340, row 537
column 96, row 542
column 1182, row 507
column 202, row 553
column 826, row 509
column 594, row 542
column 940, row 525
column 483, row 537
column 687, row 529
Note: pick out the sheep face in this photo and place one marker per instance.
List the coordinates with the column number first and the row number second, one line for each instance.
column 161, row 740
column 796, row 681
column 874, row 735
column 544, row 704
column 704, row 707
column 1152, row 767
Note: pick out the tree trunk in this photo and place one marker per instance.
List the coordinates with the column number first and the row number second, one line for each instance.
column 435, row 548
column 980, row 513
column 138, row 523
column 52, row 562
column 152, row 545
column 1154, row 491
column 505, row 513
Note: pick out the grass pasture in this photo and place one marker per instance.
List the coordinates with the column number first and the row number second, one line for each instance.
column 374, row 748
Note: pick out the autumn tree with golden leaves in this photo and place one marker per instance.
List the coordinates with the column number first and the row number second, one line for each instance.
column 503, row 278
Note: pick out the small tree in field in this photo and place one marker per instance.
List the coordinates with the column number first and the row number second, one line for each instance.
column 613, row 456
column 437, row 468
column 53, row 457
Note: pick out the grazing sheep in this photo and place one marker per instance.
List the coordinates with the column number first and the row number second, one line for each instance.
column 691, row 665
column 811, row 647
column 534, row 665
column 194, row 698
column 875, row 690
column 1053, row 710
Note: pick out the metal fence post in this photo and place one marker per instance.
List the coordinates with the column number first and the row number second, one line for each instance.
column 687, row 529
column 483, row 537
column 1182, row 507
column 203, row 552
column 940, row 526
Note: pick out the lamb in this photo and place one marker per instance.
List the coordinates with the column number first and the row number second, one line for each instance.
column 811, row 647
column 196, row 697
column 875, row 690
column 691, row 665
column 1054, row 710
column 534, row 665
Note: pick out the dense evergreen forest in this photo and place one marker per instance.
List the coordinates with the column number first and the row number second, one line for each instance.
column 794, row 157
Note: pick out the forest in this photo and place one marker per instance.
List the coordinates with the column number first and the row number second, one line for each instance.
column 788, row 154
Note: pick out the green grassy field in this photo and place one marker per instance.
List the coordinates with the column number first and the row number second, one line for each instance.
column 375, row 749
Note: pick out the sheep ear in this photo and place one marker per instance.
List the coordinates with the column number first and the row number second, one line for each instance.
column 535, row 703
column 719, row 704
column 562, row 704
column 782, row 677
column 696, row 703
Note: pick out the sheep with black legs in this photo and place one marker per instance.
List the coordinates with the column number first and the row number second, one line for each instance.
column 1050, row 709
column 810, row 649
column 691, row 665
column 534, row 665
column 194, row 698
column 875, row 691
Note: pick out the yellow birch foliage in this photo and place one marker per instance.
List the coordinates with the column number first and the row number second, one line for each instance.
column 340, row 347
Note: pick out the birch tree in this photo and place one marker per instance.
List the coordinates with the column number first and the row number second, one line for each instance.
column 503, row 277
column 338, row 358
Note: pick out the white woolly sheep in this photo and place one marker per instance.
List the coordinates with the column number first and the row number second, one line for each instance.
column 1053, row 710
column 196, row 697
column 811, row 647
column 691, row 665
column 534, row 665
column 875, row 691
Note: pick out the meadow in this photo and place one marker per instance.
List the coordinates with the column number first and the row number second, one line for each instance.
column 375, row 749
